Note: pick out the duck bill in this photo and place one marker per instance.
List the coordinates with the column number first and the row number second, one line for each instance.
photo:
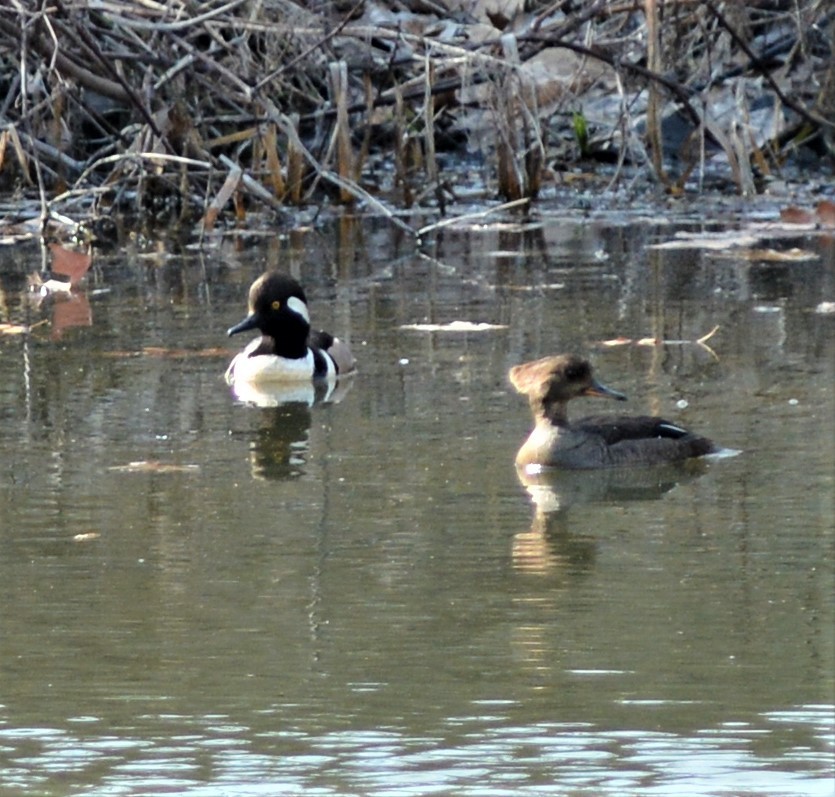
column 250, row 322
column 601, row 391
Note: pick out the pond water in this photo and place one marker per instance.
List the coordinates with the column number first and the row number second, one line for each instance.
column 206, row 597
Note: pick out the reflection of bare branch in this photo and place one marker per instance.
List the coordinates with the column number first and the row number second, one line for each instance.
column 708, row 336
column 701, row 342
column 470, row 217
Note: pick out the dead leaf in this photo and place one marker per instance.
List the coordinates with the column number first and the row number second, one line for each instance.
column 823, row 214
column 70, row 263
column 793, row 215
column 826, row 212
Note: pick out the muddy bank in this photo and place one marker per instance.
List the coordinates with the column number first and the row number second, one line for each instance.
column 209, row 114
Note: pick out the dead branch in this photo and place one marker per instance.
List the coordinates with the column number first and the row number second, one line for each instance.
column 142, row 106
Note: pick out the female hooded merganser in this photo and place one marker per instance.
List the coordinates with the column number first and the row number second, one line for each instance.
column 602, row 441
column 287, row 351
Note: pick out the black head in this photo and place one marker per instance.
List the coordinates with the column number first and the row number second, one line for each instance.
column 278, row 308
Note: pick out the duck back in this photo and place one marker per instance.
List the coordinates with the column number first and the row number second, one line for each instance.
column 643, row 439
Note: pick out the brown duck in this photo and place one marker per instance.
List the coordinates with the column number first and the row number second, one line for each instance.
column 600, row 441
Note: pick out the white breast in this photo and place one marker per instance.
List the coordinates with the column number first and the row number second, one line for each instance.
column 268, row 368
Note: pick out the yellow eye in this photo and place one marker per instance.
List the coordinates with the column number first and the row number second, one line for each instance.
column 276, row 305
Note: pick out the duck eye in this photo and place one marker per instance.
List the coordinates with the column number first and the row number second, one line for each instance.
column 276, row 305
column 575, row 372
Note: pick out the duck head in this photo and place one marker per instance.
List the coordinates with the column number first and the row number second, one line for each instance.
column 278, row 309
column 550, row 383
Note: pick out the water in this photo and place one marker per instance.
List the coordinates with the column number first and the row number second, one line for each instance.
column 204, row 597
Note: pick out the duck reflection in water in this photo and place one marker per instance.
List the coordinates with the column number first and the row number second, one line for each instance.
column 558, row 541
column 281, row 444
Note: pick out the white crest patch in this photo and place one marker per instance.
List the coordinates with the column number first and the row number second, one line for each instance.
column 298, row 307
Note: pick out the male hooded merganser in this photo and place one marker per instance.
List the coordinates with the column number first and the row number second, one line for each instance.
column 287, row 351
column 601, row 441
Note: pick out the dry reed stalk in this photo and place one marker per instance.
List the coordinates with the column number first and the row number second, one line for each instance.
column 401, row 139
column 654, row 100
column 253, row 187
column 740, row 141
column 227, row 190
column 520, row 153
column 257, row 159
column 239, row 136
column 362, row 155
column 56, row 134
column 533, row 137
column 10, row 136
column 429, row 123
column 534, row 161
column 295, row 160
column 507, row 170
column 269, row 140
column 510, row 180
column 350, row 187
column 825, row 105
column 342, row 133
